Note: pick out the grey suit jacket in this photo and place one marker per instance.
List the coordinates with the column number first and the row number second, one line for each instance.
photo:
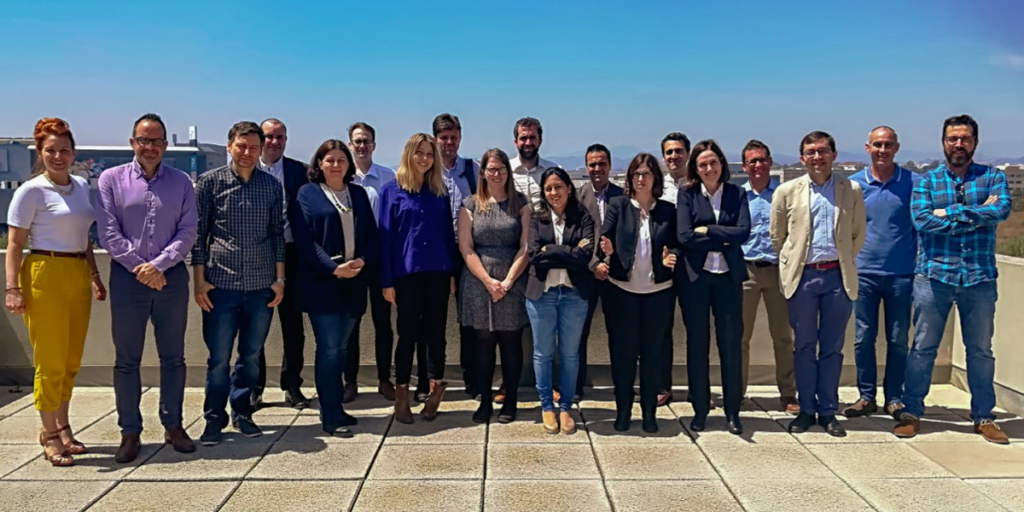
column 588, row 199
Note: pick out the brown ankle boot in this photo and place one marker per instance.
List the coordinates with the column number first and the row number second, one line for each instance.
column 434, row 400
column 402, row 412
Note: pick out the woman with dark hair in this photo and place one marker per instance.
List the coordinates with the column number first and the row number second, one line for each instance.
column 336, row 236
column 561, row 245
column 493, row 229
column 714, row 222
column 639, row 240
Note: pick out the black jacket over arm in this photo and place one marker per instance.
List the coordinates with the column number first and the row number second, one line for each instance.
column 622, row 227
column 294, row 178
column 726, row 235
column 545, row 254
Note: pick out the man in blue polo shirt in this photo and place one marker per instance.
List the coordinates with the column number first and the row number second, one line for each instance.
column 885, row 268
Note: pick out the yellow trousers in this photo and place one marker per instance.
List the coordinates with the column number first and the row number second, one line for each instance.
column 58, row 301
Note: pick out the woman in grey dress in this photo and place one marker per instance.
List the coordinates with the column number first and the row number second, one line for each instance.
column 493, row 226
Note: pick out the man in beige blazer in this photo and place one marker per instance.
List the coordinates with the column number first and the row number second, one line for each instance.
column 818, row 225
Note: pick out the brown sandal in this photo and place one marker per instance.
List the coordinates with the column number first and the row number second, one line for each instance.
column 62, row 459
column 74, row 447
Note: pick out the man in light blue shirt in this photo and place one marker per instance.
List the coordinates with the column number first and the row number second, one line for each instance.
column 885, row 269
column 763, row 269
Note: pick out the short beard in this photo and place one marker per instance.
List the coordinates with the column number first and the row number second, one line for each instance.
column 956, row 161
column 528, row 155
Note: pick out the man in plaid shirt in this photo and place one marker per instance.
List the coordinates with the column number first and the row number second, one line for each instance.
column 956, row 209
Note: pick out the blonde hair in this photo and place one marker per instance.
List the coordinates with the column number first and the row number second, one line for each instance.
column 407, row 176
column 483, row 192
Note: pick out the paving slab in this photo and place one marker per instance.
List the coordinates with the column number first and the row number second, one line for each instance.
column 653, row 462
column 758, row 429
column 429, row 462
column 97, row 464
column 450, row 428
column 392, row 495
column 545, row 496
column 601, row 427
column 165, row 497
column 541, row 462
column 226, row 461
column 529, row 428
column 106, row 431
column 858, row 430
column 15, row 401
column 15, row 456
column 315, row 460
column 879, row 460
column 937, row 429
column 1007, row 492
column 931, row 494
column 794, row 495
column 765, row 461
column 671, row 496
column 24, row 428
column 40, row 496
column 971, row 460
column 371, row 429
column 304, row 496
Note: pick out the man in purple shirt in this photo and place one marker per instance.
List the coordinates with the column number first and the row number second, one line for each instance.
column 147, row 222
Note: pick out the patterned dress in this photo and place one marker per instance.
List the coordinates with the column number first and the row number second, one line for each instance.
column 496, row 237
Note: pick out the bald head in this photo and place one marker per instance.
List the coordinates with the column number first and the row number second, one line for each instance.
column 277, row 138
column 882, row 145
column 883, row 128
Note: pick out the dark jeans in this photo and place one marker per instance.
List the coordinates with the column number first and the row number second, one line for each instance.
column 132, row 306
column 720, row 295
column 592, row 302
column 818, row 312
column 896, row 294
column 332, row 332
column 637, row 332
column 511, row 345
column 241, row 314
column 422, row 303
column 383, row 337
column 293, row 332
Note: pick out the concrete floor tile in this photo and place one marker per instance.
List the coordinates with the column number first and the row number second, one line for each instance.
column 760, row 429
column 429, row 462
column 653, row 462
column 226, row 461
column 13, row 456
column 936, row 429
column 541, row 462
column 19, row 401
column 273, row 428
column 671, row 496
column 794, row 495
column 370, row 429
column 601, row 427
column 448, row 428
column 315, row 460
column 545, row 496
column 858, row 430
column 881, row 460
column 40, row 496
column 971, row 460
column 106, row 431
column 274, row 404
column 765, row 461
column 392, row 495
column 931, row 494
column 1007, row 492
column 165, row 496
column 301, row 496
column 24, row 428
column 529, row 428
column 87, row 405
column 98, row 464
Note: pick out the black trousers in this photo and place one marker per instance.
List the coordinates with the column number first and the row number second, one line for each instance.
column 637, row 332
column 383, row 337
column 592, row 301
column 422, row 303
column 669, row 354
column 293, row 332
column 720, row 295
column 511, row 345
column 467, row 338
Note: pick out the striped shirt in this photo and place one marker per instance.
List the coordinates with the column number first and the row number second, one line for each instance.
column 241, row 229
column 959, row 248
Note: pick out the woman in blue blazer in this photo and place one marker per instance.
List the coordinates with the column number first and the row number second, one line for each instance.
column 336, row 237
column 713, row 223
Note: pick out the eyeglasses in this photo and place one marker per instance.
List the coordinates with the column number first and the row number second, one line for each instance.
column 362, row 142
column 962, row 139
column 143, row 141
column 496, row 171
column 815, row 152
column 645, row 175
column 960, row 197
column 758, row 161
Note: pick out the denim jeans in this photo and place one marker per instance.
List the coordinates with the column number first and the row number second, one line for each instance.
column 977, row 307
column 241, row 314
column 896, row 295
column 332, row 332
column 559, row 311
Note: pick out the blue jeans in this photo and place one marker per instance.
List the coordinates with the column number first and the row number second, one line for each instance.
column 332, row 331
column 818, row 313
column 896, row 294
column 977, row 306
column 560, row 311
column 241, row 314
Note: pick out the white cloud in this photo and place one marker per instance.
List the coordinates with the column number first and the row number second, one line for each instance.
column 1008, row 60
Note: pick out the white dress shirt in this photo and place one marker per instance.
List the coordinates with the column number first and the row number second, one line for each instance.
column 641, row 277
column 715, row 262
column 372, row 182
column 528, row 180
column 557, row 276
column 277, row 170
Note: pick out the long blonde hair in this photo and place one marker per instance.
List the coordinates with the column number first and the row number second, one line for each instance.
column 406, row 176
column 483, row 192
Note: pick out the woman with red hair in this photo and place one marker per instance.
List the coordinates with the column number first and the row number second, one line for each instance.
column 51, row 214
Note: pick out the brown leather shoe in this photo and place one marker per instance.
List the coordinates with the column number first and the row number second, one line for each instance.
column 128, row 450
column 550, row 422
column 499, row 396
column 790, row 404
column 568, row 425
column 179, row 440
column 908, row 427
column 402, row 412
column 386, row 390
column 860, row 408
column 433, row 402
column 351, row 390
column 991, row 432
column 664, row 397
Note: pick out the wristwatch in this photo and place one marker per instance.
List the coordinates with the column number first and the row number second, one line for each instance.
column 280, row 281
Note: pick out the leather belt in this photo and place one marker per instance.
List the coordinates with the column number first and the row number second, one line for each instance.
column 823, row 265
column 58, row 254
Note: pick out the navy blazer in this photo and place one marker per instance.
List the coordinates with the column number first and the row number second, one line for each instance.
column 726, row 235
column 568, row 255
column 318, row 235
column 294, row 178
column 622, row 227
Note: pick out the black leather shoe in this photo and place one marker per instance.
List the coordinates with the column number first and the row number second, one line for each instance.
column 733, row 425
column 347, row 420
column 622, row 421
column 650, row 425
column 507, row 414
column 698, row 422
column 256, row 400
column 832, row 426
column 801, row 423
column 483, row 413
column 296, row 399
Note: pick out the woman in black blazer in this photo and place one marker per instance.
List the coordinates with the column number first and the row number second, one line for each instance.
column 714, row 221
column 336, row 238
column 560, row 247
column 639, row 240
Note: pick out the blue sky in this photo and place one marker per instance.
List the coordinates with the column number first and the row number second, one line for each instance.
column 620, row 73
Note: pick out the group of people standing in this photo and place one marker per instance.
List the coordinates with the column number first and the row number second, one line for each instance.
column 518, row 245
